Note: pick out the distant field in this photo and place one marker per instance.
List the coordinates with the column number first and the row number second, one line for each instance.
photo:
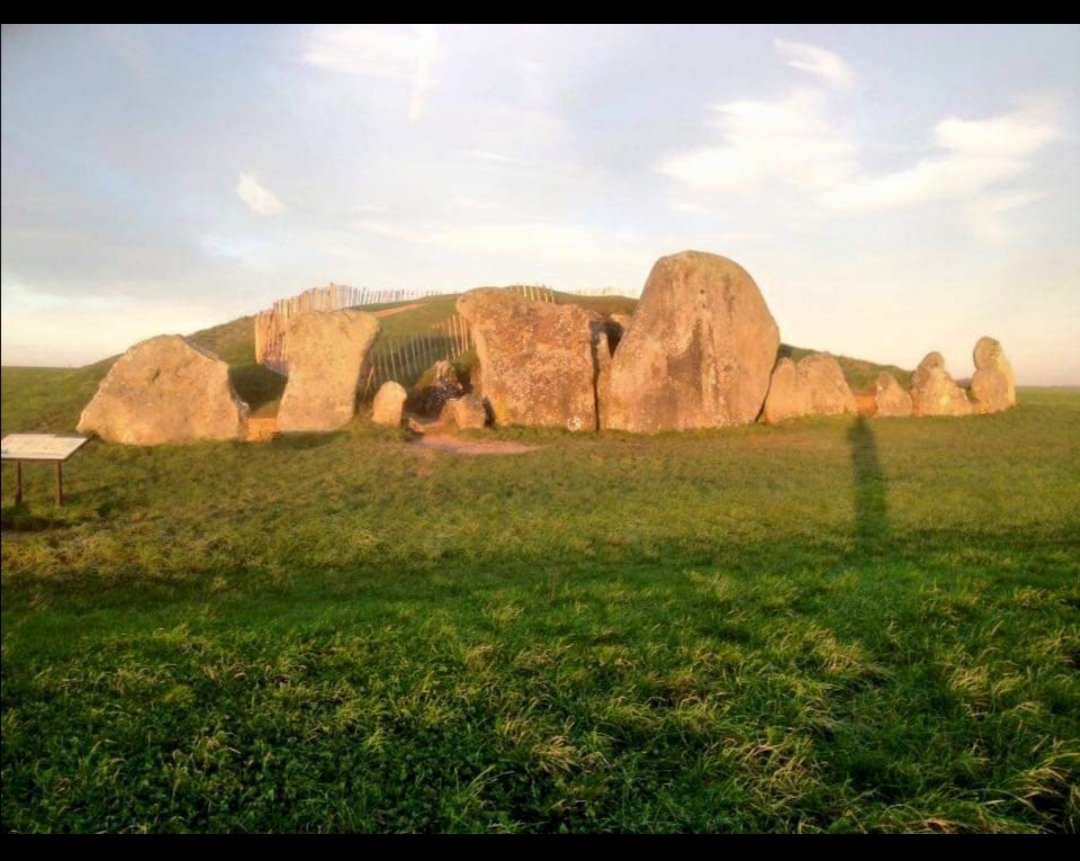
column 832, row 625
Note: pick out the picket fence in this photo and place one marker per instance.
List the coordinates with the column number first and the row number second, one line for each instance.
column 402, row 358
column 270, row 324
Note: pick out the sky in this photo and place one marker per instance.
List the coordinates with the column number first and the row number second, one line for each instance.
column 892, row 190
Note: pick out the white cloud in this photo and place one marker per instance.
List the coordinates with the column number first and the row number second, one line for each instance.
column 790, row 140
column 565, row 253
column 16, row 293
column 826, row 65
column 1012, row 135
column 359, row 50
column 259, row 199
column 930, row 179
column 500, row 158
column 475, row 204
column 989, row 215
column 692, row 208
column 531, row 243
column 534, row 79
column 974, row 155
column 556, row 165
column 427, row 51
column 1007, row 202
column 742, row 236
column 797, row 141
column 514, row 251
column 228, row 247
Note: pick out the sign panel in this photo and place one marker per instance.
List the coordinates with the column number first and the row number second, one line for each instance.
column 40, row 446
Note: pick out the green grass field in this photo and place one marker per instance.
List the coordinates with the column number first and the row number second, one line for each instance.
column 831, row 625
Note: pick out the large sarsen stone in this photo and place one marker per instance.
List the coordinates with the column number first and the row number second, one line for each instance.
column 813, row 386
column 993, row 388
column 933, row 391
column 327, row 351
column 166, row 390
column 890, row 398
column 537, row 359
column 698, row 352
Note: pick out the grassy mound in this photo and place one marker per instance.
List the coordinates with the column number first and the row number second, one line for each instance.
column 262, row 388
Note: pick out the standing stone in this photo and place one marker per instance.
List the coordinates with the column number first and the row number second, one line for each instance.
column 387, row 406
column 933, row 392
column 326, row 350
column 166, row 390
column 698, row 353
column 890, row 397
column 536, row 357
column 813, row 386
column 993, row 388
column 786, row 398
column 820, row 374
column 465, row 413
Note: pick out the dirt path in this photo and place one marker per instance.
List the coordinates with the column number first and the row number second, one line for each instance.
column 455, row 445
column 390, row 312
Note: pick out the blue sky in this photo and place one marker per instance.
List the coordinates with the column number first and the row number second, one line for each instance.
column 893, row 190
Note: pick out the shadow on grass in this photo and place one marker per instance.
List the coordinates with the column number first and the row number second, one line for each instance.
column 257, row 385
column 90, row 500
column 871, row 508
column 300, row 441
column 19, row 518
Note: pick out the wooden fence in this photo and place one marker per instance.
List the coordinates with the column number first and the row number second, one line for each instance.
column 603, row 291
column 537, row 294
column 404, row 358
column 337, row 296
column 270, row 340
column 270, row 325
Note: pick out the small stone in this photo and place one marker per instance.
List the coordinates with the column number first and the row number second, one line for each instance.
column 465, row 413
column 388, row 404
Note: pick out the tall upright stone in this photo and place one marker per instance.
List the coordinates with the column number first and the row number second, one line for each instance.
column 993, row 387
column 327, row 351
column 813, row 386
column 830, row 395
column 166, row 390
column 537, row 358
column 890, row 398
column 698, row 352
column 933, row 391
column 786, row 398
